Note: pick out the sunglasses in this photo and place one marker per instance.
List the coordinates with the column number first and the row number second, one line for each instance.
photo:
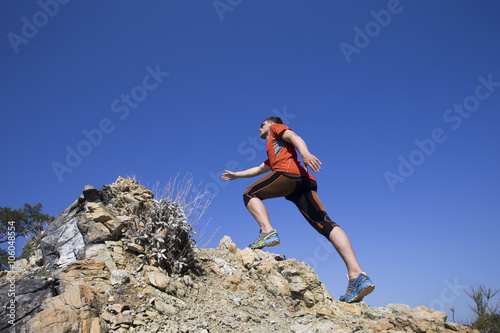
column 262, row 125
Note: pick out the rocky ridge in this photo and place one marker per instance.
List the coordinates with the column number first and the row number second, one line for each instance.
column 91, row 276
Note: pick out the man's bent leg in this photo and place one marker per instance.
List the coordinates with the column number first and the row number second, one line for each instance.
column 272, row 185
column 256, row 207
column 313, row 210
column 343, row 246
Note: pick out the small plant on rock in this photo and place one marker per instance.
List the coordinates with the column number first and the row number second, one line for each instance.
column 165, row 227
column 486, row 313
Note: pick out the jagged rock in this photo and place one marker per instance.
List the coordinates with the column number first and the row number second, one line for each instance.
column 63, row 238
column 249, row 257
column 126, row 191
column 29, row 296
column 103, row 279
column 402, row 308
column 20, row 265
column 99, row 224
column 73, row 311
column 92, row 194
column 94, row 218
column 158, row 279
column 89, row 272
column 119, row 277
column 136, row 248
column 118, row 308
column 101, row 252
column 98, row 213
column 227, row 244
column 429, row 315
column 453, row 326
column 165, row 308
column 124, row 319
column 36, row 259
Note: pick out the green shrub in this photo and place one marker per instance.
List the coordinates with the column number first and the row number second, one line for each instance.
column 486, row 316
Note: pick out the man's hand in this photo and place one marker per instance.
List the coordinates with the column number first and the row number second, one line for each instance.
column 252, row 172
column 309, row 160
column 228, row 175
column 312, row 161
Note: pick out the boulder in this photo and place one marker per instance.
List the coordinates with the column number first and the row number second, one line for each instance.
column 158, row 279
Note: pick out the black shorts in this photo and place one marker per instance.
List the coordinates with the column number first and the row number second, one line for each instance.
column 302, row 191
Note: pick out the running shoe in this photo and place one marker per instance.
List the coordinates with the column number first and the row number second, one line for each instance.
column 265, row 239
column 357, row 288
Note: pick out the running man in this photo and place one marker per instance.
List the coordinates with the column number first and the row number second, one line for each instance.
column 291, row 180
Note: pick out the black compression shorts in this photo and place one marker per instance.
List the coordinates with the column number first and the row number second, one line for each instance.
column 302, row 191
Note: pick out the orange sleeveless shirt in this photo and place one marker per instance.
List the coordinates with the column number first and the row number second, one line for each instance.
column 282, row 155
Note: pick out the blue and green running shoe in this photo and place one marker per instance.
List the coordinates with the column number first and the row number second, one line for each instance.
column 358, row 288
column 265, row 239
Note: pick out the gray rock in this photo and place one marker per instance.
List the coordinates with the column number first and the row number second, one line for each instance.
column 401, row 308
column 119, row 277
column 29, row 295
column 453, row 326
column 100, row 252
column 165, row 309
column 227, row 244
column 63, row 238
column 92, row 194
column 279, row 257
column 67, row 237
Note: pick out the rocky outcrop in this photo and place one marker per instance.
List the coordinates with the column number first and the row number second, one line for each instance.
column 64, row 242
column 95, row 217
column 112, row 284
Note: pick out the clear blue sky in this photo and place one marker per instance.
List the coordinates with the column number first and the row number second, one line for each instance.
column 400, row 100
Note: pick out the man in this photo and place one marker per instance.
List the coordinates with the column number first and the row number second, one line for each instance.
column 291, row 180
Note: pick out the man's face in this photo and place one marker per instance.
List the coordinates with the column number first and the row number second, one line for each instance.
column 264, row 130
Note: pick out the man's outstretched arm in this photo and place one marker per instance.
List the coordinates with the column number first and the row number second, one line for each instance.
column 252, row 172
column 309, row 159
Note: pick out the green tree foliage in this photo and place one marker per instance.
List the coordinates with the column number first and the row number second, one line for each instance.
column 28, row 222
column 486, row 312
column 4, row 255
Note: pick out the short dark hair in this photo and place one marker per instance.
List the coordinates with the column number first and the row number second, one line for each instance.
column 276, row 120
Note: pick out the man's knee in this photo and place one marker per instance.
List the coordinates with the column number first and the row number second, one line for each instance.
column 327, row 230
column 322, row 223
column 246, row 198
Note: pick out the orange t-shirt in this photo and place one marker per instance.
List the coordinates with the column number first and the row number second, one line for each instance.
column 282, row 155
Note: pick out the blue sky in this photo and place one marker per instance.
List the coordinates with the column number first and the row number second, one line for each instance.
column 398, row 99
